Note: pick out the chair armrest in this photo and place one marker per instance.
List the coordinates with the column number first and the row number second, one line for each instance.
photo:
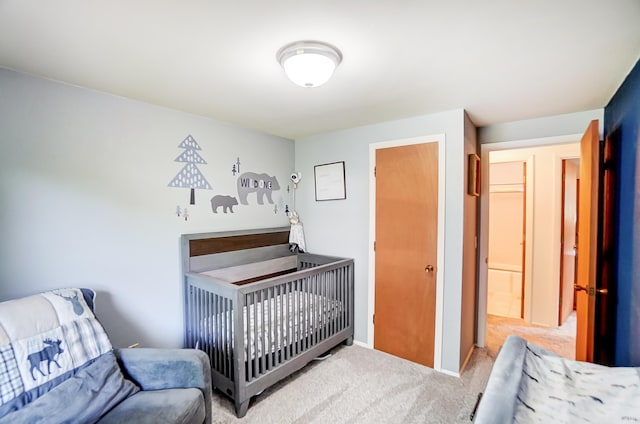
column 155, row 369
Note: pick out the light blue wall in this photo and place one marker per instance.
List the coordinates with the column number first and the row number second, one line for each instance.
column 341, row 227
column 84, row 199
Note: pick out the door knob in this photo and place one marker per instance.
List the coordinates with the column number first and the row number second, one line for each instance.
column 429, row 268
column 576, row 287
column 590, row 290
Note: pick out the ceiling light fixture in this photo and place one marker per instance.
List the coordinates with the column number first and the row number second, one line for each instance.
column 309, row 63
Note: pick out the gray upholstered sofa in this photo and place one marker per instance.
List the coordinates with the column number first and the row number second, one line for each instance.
column 57, row 365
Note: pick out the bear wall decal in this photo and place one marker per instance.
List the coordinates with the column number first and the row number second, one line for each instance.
column 261, row 184
column 227, row 203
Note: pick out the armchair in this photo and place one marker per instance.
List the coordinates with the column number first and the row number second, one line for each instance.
column 57, row 365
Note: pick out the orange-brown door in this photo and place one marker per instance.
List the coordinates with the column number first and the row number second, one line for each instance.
column 406, row 251
column 568, row 239
column 587, row 243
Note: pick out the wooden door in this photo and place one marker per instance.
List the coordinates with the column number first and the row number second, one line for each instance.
column 406, row 251
column 568, row 239
column 587, row 242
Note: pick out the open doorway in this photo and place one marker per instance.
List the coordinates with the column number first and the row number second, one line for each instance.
column 536, row 201
column 505, row 279
column 569, row 240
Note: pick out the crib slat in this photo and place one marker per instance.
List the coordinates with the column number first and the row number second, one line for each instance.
column 297, row 316
column 330, row 315
column 224, row 338
column 269, row 334
column 213, row 319
column 307, row 313
column 279, row 325
column 247, row 333
column 266, row 329
column 342, row 311
column 285, row 322
column 321, row 292
column 255, row 359
column 218, row 320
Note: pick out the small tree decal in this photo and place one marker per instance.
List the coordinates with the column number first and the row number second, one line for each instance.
column 190, row 176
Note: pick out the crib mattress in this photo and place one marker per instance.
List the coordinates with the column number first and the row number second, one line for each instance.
column 273, row 323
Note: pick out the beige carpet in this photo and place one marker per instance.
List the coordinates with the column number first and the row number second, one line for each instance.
column 360, row 385
column 560, row 340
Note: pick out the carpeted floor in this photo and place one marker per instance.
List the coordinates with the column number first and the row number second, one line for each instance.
column 360, row 385
column 560, row 340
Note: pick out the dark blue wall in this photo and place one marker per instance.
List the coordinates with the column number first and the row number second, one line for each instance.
column 621, row 123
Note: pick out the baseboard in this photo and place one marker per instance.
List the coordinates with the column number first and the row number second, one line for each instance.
column 362, row 344
column 468, row 358
column 443, row 371
column 451, row 373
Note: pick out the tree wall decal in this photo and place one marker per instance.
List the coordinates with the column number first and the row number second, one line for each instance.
column 190, row 176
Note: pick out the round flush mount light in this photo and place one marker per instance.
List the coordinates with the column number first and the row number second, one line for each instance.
column 309, row 63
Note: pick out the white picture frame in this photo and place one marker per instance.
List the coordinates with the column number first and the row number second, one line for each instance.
column 330, row 181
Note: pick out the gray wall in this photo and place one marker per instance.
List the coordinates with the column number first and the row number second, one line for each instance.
column 341, row 227
column 85, row 202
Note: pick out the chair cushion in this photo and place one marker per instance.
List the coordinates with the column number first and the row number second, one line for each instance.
column 184, row 406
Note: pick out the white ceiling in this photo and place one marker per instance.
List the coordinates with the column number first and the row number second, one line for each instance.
column 501, row 60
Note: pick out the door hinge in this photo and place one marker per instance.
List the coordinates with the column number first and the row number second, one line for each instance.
column 374, row 171
column 374, row 318
column 374, row 246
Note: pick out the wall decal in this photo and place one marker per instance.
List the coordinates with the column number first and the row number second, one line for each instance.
column 185, row 214
column 261, row 184
column 227, row 203
column 280, row 203
column 190, row 176
column 178, row 211
column 235, row 168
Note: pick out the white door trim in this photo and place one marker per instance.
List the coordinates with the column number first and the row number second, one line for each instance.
column 440, row 139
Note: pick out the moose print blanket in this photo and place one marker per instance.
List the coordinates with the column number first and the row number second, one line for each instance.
column 40, row 350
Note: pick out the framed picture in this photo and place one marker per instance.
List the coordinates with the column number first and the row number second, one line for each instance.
column 474, row 175
column 330, row 182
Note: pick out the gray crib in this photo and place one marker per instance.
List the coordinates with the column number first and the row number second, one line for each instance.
column 289, row 308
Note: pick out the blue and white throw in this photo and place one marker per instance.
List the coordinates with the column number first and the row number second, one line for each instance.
column 559, row 390
column 40, row 350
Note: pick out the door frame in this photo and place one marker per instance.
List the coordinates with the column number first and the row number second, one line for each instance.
column 440, row 139
column 483, row 245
